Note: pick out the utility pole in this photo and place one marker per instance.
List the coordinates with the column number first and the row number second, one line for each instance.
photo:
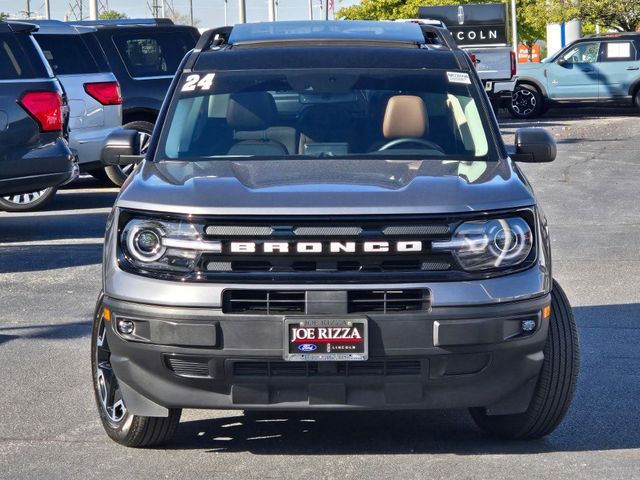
column 47, row 10
column 190, row 11
column 226, row 12
column 242, row 11
column 272, row 10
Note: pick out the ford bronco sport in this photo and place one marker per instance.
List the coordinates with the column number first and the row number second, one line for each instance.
column 327, row 218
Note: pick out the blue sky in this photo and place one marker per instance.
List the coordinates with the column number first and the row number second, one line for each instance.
column 210, row 13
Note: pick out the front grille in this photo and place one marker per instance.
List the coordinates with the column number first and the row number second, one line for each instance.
column 386, row 301
column 268, row 302
column 282, row 302
column 189, row 367
column 378, row 368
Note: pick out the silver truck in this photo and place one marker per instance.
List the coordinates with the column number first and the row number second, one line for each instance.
column 481, row 31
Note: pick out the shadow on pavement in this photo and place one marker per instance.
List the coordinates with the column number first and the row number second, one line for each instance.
column 35, row 258
column 604, row 415
column 56, row 331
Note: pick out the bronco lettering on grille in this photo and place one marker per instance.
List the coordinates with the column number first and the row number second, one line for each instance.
column 372, row 247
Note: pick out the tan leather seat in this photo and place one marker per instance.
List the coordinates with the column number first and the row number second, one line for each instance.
column 405, row 117
column 251, row 115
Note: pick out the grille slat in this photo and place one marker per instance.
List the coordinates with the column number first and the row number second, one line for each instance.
column 191, row 368
column 274, row 302
column 329, row 369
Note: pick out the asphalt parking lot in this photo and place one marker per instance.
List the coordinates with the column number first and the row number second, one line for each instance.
column 50, row 278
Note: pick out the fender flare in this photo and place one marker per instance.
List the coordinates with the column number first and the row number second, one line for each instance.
column 536, row 83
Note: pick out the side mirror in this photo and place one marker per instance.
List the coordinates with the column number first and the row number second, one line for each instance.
column 122, row 147
column 534, row 145
column 562, row 61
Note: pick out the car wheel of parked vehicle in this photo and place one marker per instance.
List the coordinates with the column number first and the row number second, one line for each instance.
column 636, row 99
column 118, row 174
column 123, row 427
column 556, row 383
column 526, row 102
column 22, row 202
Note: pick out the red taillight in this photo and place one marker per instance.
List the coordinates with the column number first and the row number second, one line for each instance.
column 513, row 64
column 107, row 93
column 45, row 108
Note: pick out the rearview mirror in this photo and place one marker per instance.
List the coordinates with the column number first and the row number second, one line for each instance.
column 122, row 147
column 534, row 145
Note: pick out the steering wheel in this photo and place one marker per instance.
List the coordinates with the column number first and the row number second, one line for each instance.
column 419, row 141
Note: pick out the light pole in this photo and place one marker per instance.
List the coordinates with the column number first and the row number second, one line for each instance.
column 310, row 9
column 514, row 27
column 47, row 9
column 93, row 9
column 242, row 12
column 226, row 12
column 272, row 10
column 326, row 9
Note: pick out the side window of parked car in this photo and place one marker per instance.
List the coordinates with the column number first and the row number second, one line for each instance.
column 12, row 62
column 67, row 54
column 586, row 52
column 152, row 54
column 618, row 51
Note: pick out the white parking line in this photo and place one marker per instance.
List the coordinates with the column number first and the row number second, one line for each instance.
column 55, row 241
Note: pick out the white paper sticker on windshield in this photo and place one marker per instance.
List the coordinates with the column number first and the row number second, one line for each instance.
column 459, row 77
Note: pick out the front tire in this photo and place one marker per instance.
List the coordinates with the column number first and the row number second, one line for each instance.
column 556, row 382
column 122, row 426
column 526, row 102
column 119, row 173
column 24, row 202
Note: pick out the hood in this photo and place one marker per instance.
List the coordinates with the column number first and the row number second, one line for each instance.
column 324, row 186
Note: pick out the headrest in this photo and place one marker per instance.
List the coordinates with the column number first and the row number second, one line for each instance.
column 251, row 111
column 405, row 117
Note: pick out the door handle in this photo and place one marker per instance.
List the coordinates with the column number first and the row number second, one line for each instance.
column 633, row 68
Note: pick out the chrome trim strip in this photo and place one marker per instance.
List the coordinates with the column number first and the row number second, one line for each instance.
column 209, row 247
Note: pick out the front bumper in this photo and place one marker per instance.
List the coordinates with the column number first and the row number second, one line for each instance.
column 447, row 357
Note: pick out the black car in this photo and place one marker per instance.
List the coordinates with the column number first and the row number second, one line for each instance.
column 34, row 156
column 144, row 55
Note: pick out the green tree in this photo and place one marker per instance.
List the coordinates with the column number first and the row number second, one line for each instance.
column 4, row 15
column 621, row 15
column 112, row 15
column 532, row 15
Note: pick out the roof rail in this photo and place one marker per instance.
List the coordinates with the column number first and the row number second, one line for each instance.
column 125, row 21
column 438, row 36
column 612, row 34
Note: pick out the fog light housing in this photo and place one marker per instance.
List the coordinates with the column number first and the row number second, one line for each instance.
column 125, row 327
column 528, row 325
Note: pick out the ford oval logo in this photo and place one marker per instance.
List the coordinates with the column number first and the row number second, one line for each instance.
column 307, row 347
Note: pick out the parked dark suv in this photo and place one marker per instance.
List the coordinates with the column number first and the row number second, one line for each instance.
column 327, row 219
column 34, row 157
column 144, row 55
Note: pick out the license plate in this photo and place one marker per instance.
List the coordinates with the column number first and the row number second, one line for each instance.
column 324, row 339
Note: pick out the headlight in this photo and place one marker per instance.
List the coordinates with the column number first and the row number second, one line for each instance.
column 489, row 244
column 164, row 245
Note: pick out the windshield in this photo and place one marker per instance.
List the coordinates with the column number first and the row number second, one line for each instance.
column 321, row 113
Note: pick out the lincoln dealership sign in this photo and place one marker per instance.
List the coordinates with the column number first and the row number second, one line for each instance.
column 472, row 24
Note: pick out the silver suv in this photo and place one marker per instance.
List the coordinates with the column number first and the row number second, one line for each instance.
column 92, row 93
column 327, row 219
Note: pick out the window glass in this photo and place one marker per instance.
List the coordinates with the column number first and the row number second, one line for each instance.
column 320, row 114
column 583, row 53
column 67, row 54
column 618, row 51
column 13, row 64
column 153, row 54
